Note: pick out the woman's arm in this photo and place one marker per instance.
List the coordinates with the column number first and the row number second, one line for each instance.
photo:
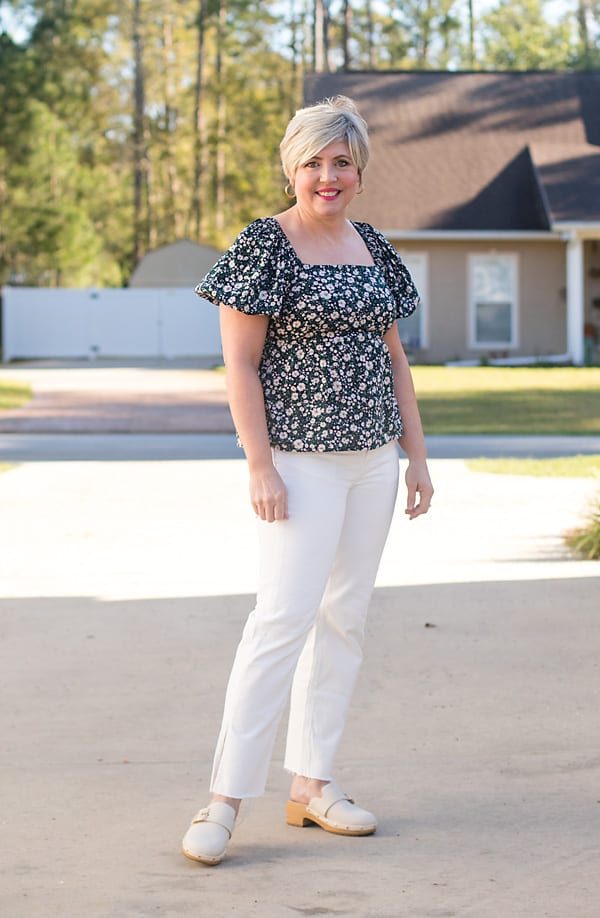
column 412, row 441
column 243, row 338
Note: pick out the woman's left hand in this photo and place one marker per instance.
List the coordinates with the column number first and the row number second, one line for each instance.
column 418, row 482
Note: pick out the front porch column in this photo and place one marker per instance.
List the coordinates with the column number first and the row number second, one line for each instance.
column 575, row 305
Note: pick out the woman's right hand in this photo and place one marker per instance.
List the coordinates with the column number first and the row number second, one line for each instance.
column 268, row 494
column 243, row 338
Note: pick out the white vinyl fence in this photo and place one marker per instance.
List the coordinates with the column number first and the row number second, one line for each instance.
column 134, row 322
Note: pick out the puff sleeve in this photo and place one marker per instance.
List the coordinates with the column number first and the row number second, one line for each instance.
column 397, row 275
column 253, row 275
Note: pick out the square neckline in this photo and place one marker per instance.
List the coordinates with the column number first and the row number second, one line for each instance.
column 320, row 264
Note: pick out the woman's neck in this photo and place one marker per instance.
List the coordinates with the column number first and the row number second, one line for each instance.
column 333, row 227
column 331, row 240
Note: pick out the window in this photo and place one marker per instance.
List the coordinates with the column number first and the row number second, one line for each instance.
column 413, row 329
column 493, row 300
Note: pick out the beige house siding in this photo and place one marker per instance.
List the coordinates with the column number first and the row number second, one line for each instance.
column 541, row 309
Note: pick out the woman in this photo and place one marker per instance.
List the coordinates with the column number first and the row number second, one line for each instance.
column 320, row 391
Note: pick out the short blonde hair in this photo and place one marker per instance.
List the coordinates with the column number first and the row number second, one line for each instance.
column 313, row 128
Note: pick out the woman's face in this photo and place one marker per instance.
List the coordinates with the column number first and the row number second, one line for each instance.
column 326, row 184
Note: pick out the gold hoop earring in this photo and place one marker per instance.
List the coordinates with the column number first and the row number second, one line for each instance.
column 289, row 191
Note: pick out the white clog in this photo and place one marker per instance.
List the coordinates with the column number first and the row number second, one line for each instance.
column 334, row 811
column 207, row 838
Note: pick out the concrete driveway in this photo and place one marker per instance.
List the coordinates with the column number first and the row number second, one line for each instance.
column 474, row 733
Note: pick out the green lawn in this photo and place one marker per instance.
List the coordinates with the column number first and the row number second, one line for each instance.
column 560, row 467
column 481, row 400
column 509, row 400
column 13, row 395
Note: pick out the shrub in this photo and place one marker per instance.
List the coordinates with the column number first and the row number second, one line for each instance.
column 13, row 395
column 586, row 540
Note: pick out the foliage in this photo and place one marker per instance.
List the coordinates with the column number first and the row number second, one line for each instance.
column 13, row 395
column 508, row 400
column 56, row 168
column 110, row 146
column 586, row 540
column 45, row 220
column 518, row 36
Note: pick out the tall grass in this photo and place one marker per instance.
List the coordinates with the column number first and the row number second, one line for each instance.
column 13, row 395
column 586, row 540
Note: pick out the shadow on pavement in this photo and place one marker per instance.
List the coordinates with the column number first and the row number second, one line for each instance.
column 473, row 733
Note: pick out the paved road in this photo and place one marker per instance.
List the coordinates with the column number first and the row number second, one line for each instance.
column 144, row 447
column 474, row 732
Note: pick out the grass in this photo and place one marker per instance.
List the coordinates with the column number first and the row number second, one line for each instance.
column 13, row 395
column 509, row 400
column 558, row 467
column 481, row 400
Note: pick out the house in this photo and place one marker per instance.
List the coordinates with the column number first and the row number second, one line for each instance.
column 488, row 184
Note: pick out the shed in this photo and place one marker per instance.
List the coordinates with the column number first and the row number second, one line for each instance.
column 179, row 264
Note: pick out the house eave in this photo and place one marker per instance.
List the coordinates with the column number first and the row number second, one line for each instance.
column 435, row 235
column 583, row 229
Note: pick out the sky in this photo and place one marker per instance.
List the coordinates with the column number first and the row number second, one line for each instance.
column 10, row 23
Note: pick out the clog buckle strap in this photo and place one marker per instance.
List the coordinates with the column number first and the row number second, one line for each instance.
column 204, row 815
column 330, row 796
column 201, row 816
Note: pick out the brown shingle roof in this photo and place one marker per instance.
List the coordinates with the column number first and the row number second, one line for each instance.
column 451, row 150
column 570, row 178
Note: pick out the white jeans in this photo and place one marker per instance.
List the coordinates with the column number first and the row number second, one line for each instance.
column 316, row 575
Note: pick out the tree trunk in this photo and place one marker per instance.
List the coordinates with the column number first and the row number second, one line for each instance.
column 220, row 126
column 174, row 227
column 199, row 126
column 296, row 73
column 320, row 36
column 346, row 20
column 139, row 227
column 426, row 36
column 471, row 37
column 370, row 35
column 584, row 21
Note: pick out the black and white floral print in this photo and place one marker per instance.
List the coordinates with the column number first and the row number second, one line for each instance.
column 326, row 373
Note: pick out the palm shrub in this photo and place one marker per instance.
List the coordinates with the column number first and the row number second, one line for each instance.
column 586, row 540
